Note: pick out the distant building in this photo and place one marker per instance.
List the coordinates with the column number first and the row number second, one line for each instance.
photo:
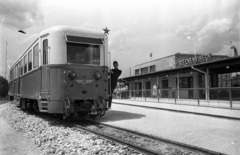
column 185, row 75
column 177, row 60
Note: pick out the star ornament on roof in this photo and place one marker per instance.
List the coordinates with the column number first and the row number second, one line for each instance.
column 106, row 31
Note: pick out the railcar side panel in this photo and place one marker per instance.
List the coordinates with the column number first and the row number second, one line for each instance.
column 17, row 86
column 18, row 89
column 29, row 85
column 57, row 80
column 44, row 79
column 57, row 90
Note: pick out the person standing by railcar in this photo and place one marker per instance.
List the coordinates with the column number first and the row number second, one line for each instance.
column 114, row 73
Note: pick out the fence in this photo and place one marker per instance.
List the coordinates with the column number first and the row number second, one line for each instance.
column 227, row 97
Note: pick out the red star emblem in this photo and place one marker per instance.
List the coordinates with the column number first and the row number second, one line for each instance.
column 106, row 31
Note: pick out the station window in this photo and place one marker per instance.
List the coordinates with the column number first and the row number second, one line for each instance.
column 30, row 60
column 25, row 64
column 186, row 82
column 224, row 80
column 35, row 56
column 229, row 79
column 152, row 69
column 235, row 78
column 45, row 52
column 144, row 70
column 137, row 72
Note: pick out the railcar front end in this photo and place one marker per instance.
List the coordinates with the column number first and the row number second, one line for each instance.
column 77, row 89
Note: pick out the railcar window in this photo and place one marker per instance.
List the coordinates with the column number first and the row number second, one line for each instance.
column 25, row 64
column 35, row 56
column 30, row 60
column 13, row 73
column 21, row 67
column 83, row 53
column 18, row 69
column 45, row 52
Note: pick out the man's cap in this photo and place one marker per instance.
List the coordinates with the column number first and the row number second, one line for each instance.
column 114, row 62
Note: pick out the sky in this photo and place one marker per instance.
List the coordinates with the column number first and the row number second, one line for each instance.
column 137, row 27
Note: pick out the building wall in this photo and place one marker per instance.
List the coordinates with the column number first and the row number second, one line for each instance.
column 171, row 85
column 165, row 63
column 160, row 64
column 175, row 61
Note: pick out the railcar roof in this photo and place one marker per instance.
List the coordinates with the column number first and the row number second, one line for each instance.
column 66, row 30
column 71, row 30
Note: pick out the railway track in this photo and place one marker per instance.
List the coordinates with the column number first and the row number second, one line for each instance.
column 130, row 138
column 122, row 137
column 135, row 148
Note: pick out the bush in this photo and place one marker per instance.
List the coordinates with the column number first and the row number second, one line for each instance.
column 3, row 87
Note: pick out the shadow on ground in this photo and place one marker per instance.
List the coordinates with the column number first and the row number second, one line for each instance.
column 113, row 115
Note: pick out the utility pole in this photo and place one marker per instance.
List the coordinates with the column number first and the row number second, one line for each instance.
column 230, row 48
column 6, row 62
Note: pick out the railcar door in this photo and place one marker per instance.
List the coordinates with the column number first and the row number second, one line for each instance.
column 44, row 71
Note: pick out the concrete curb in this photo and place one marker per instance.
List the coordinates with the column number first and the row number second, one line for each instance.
column 182, row 111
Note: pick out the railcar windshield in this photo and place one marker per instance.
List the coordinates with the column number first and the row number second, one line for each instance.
column 83, row 53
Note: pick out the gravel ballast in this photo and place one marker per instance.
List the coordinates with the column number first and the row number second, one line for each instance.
column 52, row 137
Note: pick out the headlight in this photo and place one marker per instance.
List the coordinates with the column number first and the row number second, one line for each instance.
column 97, row 75
column 72, row 74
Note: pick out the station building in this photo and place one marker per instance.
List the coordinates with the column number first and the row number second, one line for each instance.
column 186, row 76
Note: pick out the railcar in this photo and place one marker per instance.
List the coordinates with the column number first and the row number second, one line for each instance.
column 64, row 71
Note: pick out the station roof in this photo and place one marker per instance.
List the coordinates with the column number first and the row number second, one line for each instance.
column 226, row 65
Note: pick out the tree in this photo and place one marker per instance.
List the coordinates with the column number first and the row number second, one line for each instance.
column 3, row 87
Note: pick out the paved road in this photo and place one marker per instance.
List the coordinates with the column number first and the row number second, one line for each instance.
column 13, row 142
column 216, row 134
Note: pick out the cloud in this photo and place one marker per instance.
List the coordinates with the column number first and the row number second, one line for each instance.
column 118, row 39
column 209, row 36
column 20, row 14
column 191, row 26
column 216, row 34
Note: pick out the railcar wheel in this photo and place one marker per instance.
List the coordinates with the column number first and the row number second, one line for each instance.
column 11, row 98
column 66, row 108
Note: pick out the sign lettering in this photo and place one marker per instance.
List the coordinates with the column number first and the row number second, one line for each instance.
column 195, row 60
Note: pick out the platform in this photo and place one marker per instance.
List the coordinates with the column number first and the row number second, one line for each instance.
column 208, row 111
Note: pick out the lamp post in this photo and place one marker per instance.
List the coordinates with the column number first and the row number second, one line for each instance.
column 20, row 31
column 6, row 62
